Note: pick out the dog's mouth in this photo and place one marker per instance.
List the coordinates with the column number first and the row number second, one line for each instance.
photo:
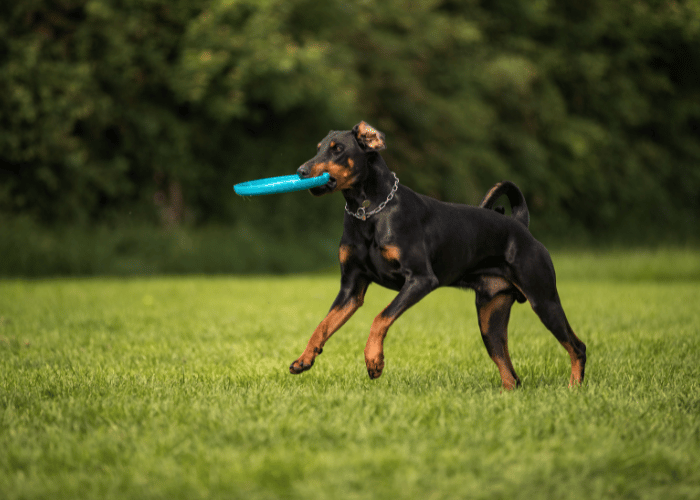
column 328, row 187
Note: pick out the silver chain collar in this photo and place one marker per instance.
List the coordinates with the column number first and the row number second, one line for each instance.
column 362, row 213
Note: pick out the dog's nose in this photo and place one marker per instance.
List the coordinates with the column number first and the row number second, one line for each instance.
column 303, row 171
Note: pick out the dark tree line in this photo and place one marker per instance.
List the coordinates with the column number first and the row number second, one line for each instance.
column 108, row 107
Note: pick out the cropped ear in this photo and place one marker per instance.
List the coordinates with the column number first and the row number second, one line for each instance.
column 369, row 137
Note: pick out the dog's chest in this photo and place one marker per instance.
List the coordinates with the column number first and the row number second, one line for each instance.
column 378, row 254
column 383, row 265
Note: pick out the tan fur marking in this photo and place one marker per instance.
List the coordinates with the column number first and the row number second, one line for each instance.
column 370, row 136
column 343, row 176
column 576, row 366
column 486, row 311
column 488, row 195
column 502, row 359
column 374, row 350
column 379, row 327
column 509, row 383
column 336, row 318
column 391, row 252
column 493, row 285
column 344, row 253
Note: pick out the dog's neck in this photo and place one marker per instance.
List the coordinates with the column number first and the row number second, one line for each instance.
column 375, row 185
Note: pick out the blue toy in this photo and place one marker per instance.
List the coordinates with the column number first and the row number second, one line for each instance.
column 281, row 184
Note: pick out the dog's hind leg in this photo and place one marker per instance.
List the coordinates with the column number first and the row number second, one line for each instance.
column 552, row 315
column 537, row 282
column 494, row 313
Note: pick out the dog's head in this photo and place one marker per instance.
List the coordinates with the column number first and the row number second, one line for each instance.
column 342, row 154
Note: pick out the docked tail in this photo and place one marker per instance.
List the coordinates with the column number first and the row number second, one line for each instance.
column 515, row 197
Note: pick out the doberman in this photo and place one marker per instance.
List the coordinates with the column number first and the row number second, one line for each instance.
column 414, row 244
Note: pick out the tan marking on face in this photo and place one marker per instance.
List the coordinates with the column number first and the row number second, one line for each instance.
column 332, row 144
column 343, row 175
column 344, row 253
column 391, row 252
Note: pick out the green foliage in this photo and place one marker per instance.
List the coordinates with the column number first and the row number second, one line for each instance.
column 593, row 109
column 178, row 388
column 31, row 251
column 136, row 249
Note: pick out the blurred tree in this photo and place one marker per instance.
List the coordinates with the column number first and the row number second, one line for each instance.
column 593, row 108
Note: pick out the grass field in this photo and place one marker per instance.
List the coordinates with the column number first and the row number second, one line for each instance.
column 177, row 387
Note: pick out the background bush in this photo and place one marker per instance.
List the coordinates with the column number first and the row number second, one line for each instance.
column 122, row 113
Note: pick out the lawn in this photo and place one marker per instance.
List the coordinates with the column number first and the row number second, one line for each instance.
column 177, row 387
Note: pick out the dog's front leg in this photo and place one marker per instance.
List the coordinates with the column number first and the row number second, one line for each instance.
column 413, row 290
column 349, row 300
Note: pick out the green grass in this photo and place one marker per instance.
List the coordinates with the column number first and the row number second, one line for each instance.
column 178, row 388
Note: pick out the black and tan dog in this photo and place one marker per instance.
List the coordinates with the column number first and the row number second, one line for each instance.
column 414, row 244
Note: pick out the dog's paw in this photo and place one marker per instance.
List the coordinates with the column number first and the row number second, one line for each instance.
column 300, row 366
column 305, row 361
column 375, row 367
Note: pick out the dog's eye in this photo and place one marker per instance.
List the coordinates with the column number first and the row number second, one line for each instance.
column 338, row 148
